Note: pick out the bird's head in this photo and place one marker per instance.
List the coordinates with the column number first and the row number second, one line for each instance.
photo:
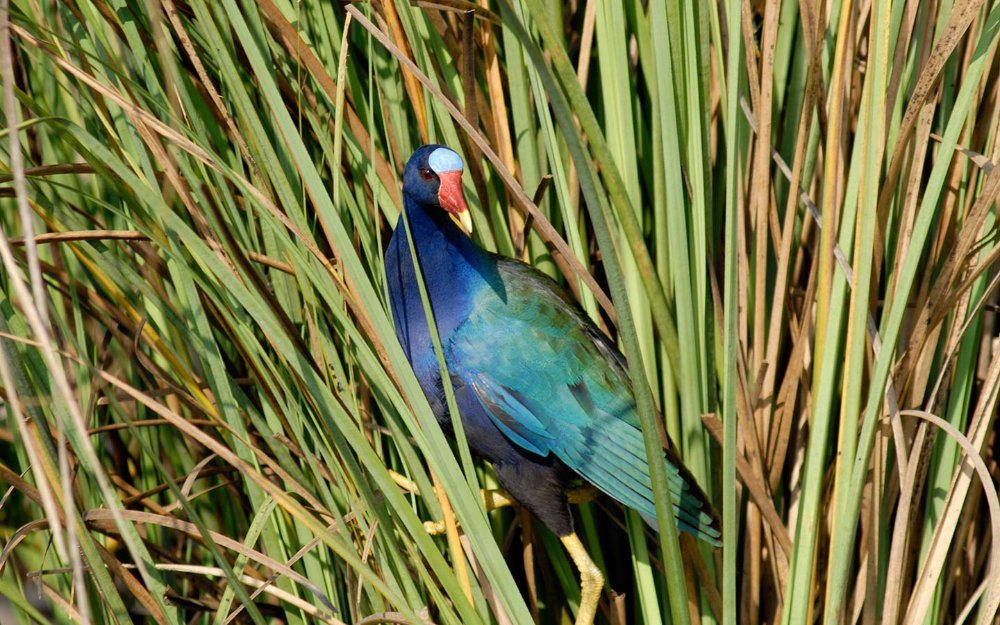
column 433, row 178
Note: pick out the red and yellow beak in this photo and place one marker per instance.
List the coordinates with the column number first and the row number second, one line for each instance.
column 452, row 199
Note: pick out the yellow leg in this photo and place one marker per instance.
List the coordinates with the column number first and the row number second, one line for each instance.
column 591, row 579
column 496, row 498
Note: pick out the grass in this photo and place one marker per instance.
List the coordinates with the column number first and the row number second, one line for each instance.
column 784, row 212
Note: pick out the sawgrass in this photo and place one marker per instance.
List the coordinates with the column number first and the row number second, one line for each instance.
column 784, row 212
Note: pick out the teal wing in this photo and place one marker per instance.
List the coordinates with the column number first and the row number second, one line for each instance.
column 552, row 383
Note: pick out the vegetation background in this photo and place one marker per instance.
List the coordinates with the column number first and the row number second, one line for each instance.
column 790, row 204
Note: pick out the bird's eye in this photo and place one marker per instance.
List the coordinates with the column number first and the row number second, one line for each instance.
column 427, row 174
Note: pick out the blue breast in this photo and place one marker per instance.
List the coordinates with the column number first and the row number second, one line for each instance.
column 454, row 270
column 458, row 275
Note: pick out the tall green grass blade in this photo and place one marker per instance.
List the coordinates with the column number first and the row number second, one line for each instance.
column 734, row 62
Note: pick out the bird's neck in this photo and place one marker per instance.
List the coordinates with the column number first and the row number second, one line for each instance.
column 449, row 259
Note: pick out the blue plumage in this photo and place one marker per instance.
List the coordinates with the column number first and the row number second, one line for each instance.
column 543, row 394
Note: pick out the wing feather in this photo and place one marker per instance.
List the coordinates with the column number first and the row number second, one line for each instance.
column 552, row 383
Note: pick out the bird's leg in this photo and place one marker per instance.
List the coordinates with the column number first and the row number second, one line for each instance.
column 591, row 579
column 494, row 498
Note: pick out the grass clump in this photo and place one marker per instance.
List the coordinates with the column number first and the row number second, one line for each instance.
column 784, row 211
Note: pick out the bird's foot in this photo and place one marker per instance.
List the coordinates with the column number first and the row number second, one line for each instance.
column 591, row 579
column 404, row 482
column 434, row 528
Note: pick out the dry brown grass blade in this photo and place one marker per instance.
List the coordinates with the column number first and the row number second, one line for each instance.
column 981, row 424
column 136, row 587
column 901, row 546
column 18, row 536
column 942, row 293
column 911, row 480
column 15, row 481
column 221, row 111
column 758, row 214
column 525, row 524
column 913, row 476
column 481, row 11
column 913, row 193
column 454, row 540
column 52, row 170
column 586, row 42
column 776, row 330
column 962, row 14
column 470, row 87
column 521, row 236
column 870, row 537
column 102, row 520
column 941, row 544
column 582, row 76
column 776, row 432
column 409, row 80
column 785, row 406
column 907, row 506
column 979, row 160
column 259, row 586
column 759, row 206
column 750, row 45
column 751, row 472
column 971, row 603
column 497, row 607
column 899, row 59
column 692, row 555
column 84, row 235
column 498, row 109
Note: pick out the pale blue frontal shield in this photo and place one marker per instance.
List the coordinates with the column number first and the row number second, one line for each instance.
column 443, row 160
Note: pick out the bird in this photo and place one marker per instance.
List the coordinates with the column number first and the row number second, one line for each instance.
column 544, row 395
